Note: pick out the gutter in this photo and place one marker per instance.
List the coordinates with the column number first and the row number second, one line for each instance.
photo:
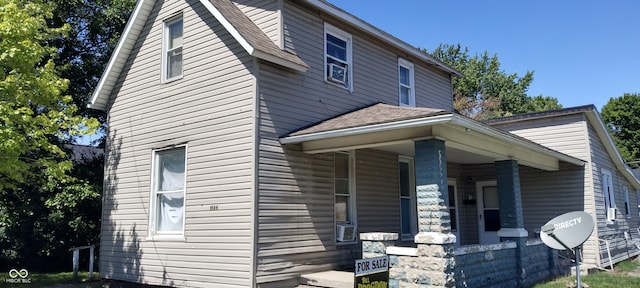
column 441, row 119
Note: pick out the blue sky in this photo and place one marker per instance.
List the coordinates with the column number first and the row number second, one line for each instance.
column 581, row 52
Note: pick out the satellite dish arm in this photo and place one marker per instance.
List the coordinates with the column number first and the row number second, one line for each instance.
column 548, row 229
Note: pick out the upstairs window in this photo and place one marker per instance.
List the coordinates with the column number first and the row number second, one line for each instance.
column 406, row 83
column 337, row 60
column 172, row 49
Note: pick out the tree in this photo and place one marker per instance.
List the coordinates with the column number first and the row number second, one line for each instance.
column 94, row 30
column 34, row 113
column 485, row 91
column 47, row 203
column 622, row 118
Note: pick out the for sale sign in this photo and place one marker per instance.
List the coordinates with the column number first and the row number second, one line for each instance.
column 372, row 273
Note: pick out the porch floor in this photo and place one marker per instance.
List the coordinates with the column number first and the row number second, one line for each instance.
column 327, row 279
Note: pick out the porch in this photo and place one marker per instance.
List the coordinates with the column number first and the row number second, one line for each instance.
column 492, row 265
column 442, row 182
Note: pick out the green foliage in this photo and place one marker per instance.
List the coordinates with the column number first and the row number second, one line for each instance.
column 47, row 202
column 95, row 27
column 486, row 91
column 622, row 117
column 34, row 113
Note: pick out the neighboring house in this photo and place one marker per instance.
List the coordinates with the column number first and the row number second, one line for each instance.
column 82, row 154
column 610, row 186
column 248, row 144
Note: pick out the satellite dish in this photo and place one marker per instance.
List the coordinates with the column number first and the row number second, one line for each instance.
column 568, row 230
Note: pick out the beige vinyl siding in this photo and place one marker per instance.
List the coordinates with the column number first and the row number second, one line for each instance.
column 296, row 232
column 209, row 110
column 266, row 14
column 558, row 192
column 571, row 134
column 567, row 134
column 377, row 191
column 375, row 67
column 296, row 226
column 614, row 233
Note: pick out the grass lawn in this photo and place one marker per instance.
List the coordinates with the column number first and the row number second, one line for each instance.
column 615, row 279
column 63, row 279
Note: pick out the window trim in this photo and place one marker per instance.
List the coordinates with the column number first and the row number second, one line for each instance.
column 627, row 204
column 352, row 216
column 152, row 225
column 342, row 35
column 453, row 182
column 165, row 48
column 608, row 195
column 403, row 63
column 412, row 196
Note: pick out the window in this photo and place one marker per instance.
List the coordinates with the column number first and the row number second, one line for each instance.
column 172, row 49
column 453, row 207
column 344, row 212
column 609, row 200
column 168, row 191
column 627, row 205
column 406, row 83
column 408, row 218
column 338, row 67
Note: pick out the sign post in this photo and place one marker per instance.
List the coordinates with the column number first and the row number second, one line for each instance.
column 372, row 273
column 568, row 232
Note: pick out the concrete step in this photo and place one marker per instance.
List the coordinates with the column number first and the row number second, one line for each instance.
column 327, row 279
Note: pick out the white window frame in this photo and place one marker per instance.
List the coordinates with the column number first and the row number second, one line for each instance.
column 153, row 207
column 608, row 193
column 352, row 198
column 627, row 204
column 344, row 36
column 403, row 63
column 165, row 48
column 453, row 182
column 412, row 197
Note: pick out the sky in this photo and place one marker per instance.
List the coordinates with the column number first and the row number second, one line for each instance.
column 581, row 52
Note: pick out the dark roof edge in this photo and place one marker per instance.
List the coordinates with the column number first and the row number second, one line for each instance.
column 541, row 114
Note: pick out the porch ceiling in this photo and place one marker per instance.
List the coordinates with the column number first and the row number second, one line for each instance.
column 466, row 141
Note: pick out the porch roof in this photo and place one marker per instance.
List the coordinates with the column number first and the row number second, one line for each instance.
column 394, row 128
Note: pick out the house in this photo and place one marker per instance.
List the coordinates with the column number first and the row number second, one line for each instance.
column 251, row 143
column 610, row 186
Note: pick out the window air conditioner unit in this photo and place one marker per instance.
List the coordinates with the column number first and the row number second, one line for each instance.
column 337, row 73
column 345, row 233
column 611, row 214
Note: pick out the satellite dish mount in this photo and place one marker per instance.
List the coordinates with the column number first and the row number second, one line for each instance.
column 568, row 232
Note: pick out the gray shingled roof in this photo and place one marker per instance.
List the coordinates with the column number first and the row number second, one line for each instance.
column 251, row 33
column 371, row 115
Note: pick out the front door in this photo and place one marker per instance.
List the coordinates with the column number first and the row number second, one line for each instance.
column 488, row 211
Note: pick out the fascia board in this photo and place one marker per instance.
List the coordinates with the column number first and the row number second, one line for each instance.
column 610, row 147
column 128, row 38
column 367, row 129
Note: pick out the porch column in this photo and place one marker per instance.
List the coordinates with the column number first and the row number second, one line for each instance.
column 434, row 239
column 511, row 215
